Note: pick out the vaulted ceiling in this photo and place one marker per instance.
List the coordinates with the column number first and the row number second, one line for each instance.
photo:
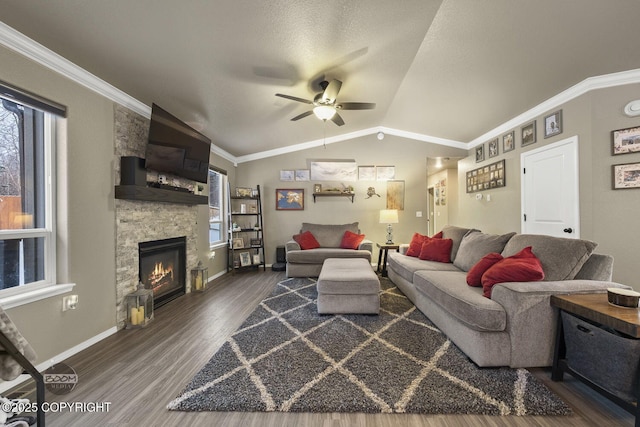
column 451, row 70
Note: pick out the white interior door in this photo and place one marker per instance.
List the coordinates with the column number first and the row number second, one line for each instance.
column 550, row 192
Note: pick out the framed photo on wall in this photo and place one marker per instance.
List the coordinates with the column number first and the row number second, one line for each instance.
column 626, row 176
column 528, row 133
column 553, row 124
column 493, row 147
column 480, row 153
column 289, row 199
column 626, row 141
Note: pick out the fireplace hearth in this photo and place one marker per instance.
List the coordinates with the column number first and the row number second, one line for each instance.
column 163, row 268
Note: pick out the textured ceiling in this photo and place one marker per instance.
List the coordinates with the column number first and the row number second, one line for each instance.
column 451, row 69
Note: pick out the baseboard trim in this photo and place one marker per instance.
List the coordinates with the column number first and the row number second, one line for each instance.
column 8, row 385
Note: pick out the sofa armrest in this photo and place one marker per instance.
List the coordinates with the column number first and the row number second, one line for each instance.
column 404, row 247
column 366, row 245
column 531, row 320
column 291, row 245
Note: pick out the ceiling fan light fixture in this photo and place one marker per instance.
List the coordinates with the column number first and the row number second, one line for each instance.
column 324, row 112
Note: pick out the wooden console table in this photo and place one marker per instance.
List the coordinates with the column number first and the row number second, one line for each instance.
column 596, row 308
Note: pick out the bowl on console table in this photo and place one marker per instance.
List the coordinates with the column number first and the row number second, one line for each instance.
column 623, row 297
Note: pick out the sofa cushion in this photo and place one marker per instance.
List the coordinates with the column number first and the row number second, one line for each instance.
column 474, row 276
column 521, row 267
column 317, row 256
column 475, row 245
column 450, row 291
column 306, row 240
column 561, row 258
column 329, row 235
column 436, row 250
column 416, row 244
column 351, row 240
column 456, row 234
column 405, row 266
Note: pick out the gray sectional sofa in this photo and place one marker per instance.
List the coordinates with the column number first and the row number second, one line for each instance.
column 308, row 263
column 516, row 326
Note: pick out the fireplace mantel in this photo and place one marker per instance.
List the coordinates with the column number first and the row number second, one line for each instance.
column 150, row 194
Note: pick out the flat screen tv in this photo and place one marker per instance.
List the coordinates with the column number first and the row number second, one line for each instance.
column 176, row 148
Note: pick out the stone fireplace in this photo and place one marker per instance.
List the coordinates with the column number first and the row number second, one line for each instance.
column 144, row 221
column 162, row 268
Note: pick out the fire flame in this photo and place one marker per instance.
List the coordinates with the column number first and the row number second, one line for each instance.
column 160, row 273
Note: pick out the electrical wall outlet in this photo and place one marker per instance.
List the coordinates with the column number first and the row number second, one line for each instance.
column 418, row 214
column 70, row 302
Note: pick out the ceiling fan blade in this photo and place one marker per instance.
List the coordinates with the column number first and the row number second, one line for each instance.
column 294, row 98
column 337, row 119
column 302, row 116
column 356, row 105
column 331, row 92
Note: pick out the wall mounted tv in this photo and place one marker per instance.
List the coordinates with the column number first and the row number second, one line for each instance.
column 176, row 148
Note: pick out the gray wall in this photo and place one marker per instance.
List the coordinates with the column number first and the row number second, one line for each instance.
column 606, row 215
column 87, row 232
column 408, row 156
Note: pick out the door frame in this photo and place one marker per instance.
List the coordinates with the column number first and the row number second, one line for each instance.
column 573, row 143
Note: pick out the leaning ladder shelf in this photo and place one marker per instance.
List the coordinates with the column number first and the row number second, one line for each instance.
column 245, row 246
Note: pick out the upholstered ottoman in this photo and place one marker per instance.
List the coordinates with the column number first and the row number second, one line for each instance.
column 348, row 286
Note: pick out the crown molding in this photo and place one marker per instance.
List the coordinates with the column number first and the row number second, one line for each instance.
column 587, row 85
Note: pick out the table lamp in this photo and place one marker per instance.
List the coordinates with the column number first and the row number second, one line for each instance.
column 389, row 216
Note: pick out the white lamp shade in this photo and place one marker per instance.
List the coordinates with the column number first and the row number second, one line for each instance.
column 389, row 216
column 324, row 112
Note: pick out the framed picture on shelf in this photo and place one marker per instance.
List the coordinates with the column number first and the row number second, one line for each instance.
column 256, row 259
column 255, row 242
column 317, row 188
column 480, row 153
column 626, row 176
column 243, row 192
column 245, row 259
column 528, row 133
column 238, row 243
column 289, row 199
column 553, row 124
column 626, row 141
column 493, row 146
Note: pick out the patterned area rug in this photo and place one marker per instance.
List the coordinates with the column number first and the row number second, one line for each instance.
column 286, row 357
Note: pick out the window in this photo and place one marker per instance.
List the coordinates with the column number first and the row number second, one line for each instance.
column 217, row 196
column 27, row 211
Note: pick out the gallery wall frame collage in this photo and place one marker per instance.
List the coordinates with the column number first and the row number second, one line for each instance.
column 340, row 173
column 528, row 135
column 625, row 141
column 493, row 175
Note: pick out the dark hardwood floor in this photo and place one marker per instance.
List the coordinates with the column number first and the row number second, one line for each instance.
column 140, row 371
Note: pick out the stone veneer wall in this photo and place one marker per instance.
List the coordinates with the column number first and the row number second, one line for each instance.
column 139, row 221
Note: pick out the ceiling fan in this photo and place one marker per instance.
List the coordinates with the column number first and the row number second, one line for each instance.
column 326, row 105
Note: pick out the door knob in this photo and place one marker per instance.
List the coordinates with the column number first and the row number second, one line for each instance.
column 568, row 230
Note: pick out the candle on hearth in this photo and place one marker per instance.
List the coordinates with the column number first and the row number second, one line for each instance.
column 141, row 315
column 133, row 316
column 198, row 283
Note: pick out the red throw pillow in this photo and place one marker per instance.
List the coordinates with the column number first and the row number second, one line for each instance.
column 521, row 267
column 437, row 235
column 351, row 240
column 436, row 250
column 416, row 244
column 474, row 276
column 306, row 240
